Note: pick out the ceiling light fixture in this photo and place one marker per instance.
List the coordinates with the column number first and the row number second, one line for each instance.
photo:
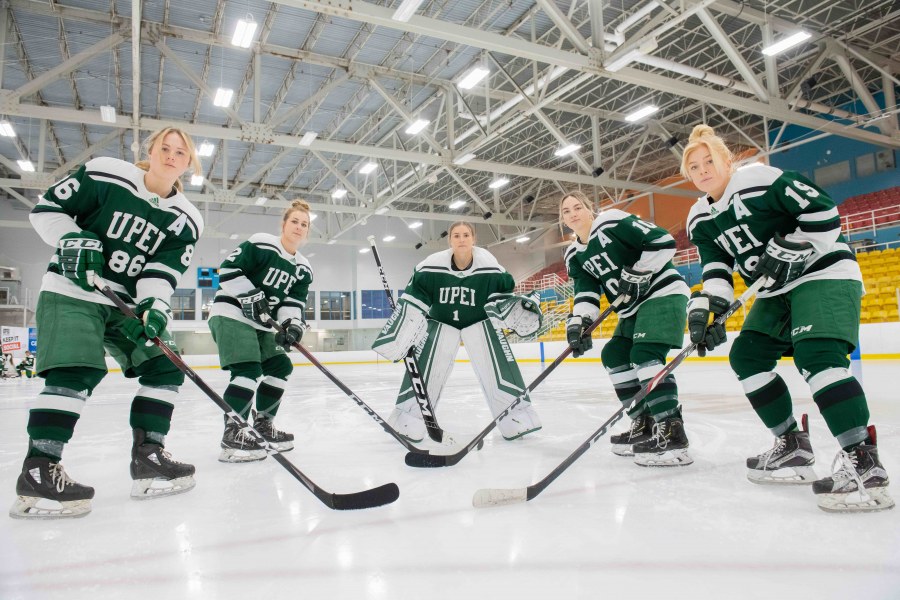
column 389, row 238
column 223, row 97
column 522, row 239
column 107, row 114
column 472, row 77
column 788, row 42
column 363, row 250
column 308, row 138
column 206, row 149
column 368, row 168
column 567, row 149
column 641, row 113
column 261, row 200
column 243, row 32
column 6, row 129
column 406, row 10
column 498, row 183
column 196, row 179
column 417, row 126
column 457, row 204
column 338, row 193
column 26, row 166
column 415, row 225
column 461, row 160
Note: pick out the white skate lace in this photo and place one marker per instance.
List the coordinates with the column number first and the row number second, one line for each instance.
column 766, row 456
column 848, row 470
column 659, row 434
column 59, row 477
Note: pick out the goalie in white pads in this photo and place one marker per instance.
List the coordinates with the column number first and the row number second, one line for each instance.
column 131, row 225
column 765, row 222
column 461, row 294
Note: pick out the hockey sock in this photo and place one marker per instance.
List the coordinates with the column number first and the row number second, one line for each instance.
column 151, row 409
column 239, row 393
column 838, row 394
column 52, row 419
column 268, row 396
column 649, row 359
column 770, row 398
column 626, row 385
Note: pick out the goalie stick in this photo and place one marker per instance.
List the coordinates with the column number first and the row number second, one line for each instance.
column 340, row 384
column 499, row 497
column 384, row 494
column 427, row 460
column 409, row 361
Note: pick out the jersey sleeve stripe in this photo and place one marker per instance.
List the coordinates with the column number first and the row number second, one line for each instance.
column 588, row 296
column 171, row 281
column 114, row 179
column 155, row 266
column 820, row 227
column 822, row 215
column 696, row 221
column 235, row 274
column 717, row 266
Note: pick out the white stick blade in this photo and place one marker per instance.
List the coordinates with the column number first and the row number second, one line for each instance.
column 495, row 497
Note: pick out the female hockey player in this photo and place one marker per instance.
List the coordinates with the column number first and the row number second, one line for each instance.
column 131, row 225
column 26, row 367
column 765, row 222
column 619, row 255
column 265, row 278
column 461, row 294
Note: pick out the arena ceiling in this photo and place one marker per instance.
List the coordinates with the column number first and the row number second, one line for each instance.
column 561, row 72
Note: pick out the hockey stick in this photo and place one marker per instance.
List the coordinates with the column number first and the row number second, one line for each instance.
column 425, row 459
column 499, row 497
column 409, row 361
column 384, row 494
column 309, row 356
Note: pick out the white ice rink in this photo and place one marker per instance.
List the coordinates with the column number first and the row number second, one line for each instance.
column 605, row 529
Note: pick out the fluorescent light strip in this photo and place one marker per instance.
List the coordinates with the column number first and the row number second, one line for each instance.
column 243, row 32
column 261, row 200
column 417, row 126
column 788, row 42
column 406, row 10
column 223, row 97
column 368, row 168
column 26, row 166
column 566, row 150
column 107, row 114
column 641, row 113
column 196, row 179
column 389, row 238
column 415, row 225
column 498, row 183
column 6, row 129
column 472, row 78
column 522, row 239
column 461, row 160
column 339, row 193
column 206, row 149
column 308, row 138
column 457, row 204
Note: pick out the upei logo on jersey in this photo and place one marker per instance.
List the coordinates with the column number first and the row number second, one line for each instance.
column 457, row 295
column 801, row 329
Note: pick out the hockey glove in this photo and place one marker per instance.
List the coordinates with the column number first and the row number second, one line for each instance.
column 154, row 317
column 521, row 314
column 633, row 284
column 290, row 334
column 575, row 326
column 783, row 261
column 701, row 307
column 80, row 258
column 255, row 306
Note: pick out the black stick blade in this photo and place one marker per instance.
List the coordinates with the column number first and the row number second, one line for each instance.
column 423, row 460
column 379, row 496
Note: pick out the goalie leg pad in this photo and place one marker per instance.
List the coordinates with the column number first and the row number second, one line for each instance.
column 405, row 329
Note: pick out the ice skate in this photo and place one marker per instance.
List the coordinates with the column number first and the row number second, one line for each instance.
column 239, row 445
column 641, row 430
column 666, row 448
column 860, row 483
column 281, row 440
column 789, row 461
column 45, row 491
column 154, row 472
column 522, row 421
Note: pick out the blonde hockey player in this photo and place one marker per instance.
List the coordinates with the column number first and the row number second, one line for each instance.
column 131, row 225
column 765, row 222
column 265, row 277
column 461, row 294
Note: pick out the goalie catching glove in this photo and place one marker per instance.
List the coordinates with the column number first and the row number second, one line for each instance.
column 406, row 329
column 80, row 258
column 783, row 261
column 291, row 333
column 707, row 336
column 521, row 314
column 153, row 316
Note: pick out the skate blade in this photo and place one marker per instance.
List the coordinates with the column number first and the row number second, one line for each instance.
column 146, row 489
column 873, row 500
column 232, row 455
column 622, row 449
column 30, row 507
column 783, row 476
column 669, row 458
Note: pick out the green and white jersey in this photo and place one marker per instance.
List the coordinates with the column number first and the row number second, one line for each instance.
column 262, row 262
column 619, row 239
column 457, row 297
column 759, row 202
column 148, row 241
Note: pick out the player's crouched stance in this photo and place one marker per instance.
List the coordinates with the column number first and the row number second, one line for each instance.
column 779, row 226
column 131, row 225
column 461, row 294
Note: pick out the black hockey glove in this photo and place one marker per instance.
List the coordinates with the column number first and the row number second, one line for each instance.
column 290, row 334
column 783, row 261
column 575, row 326
column 80, row 258
column 707, row 336
column 254, row 305
column 633, row 284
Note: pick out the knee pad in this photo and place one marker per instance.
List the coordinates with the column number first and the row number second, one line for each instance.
column 616, row 353
column 812, row 356
column 643, row 353
column 80, row 379
column 278, row 366
column 753, row 353
column 159, row 372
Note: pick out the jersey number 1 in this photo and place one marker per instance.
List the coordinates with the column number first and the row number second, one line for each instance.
column 456, row 315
